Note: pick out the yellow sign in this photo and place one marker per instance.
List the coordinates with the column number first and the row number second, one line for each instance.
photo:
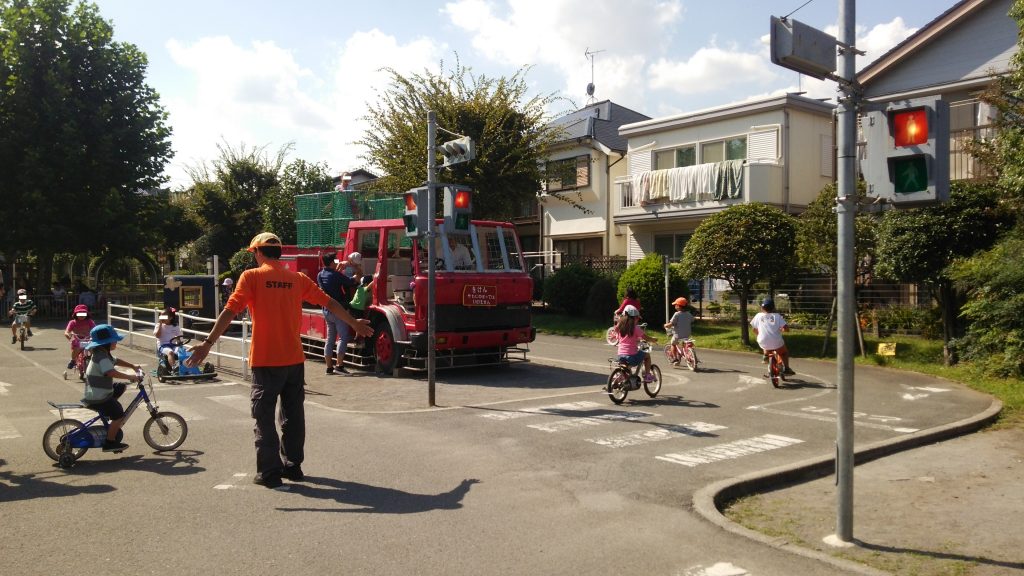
column 886, row 348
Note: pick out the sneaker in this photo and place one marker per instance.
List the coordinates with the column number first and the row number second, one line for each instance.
column 788, row 372
column 109, row 446
column 30, row 332
column 71, row 364
column 341, row 370
column 648, row 378
column 14, row 339
column 272, row 480
column 330, row 370
column 293, row 473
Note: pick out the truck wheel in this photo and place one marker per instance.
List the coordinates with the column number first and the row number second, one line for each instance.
column 384, row 348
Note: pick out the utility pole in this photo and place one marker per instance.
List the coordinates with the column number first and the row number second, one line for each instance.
column 431, row 257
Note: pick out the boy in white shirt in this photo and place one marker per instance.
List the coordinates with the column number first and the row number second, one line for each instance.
column 769, row 326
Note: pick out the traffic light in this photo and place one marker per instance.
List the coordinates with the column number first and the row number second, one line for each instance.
column 457, row 151
column 415, row 216
column 907, row 159
column 458, row 209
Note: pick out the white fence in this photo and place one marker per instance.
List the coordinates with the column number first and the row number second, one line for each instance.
column 231, row 351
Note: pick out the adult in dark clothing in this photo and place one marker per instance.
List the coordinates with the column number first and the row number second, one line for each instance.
column 339, row 287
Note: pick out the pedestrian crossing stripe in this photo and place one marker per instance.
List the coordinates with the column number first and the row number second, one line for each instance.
column 596, row 420
column 7, row 430
column 657, row 434
column 240, row 402
column 730, row 450
column 550, row 409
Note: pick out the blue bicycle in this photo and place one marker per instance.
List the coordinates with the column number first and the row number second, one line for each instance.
column 67, row 439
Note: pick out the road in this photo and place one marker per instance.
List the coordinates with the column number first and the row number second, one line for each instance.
column 528, row 469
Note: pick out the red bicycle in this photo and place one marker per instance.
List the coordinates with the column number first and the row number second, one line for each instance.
column 776, row 370
column 81, row 358
column 682, row 352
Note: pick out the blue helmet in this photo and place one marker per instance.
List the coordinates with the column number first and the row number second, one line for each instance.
column 102, row 334
column 768, row 304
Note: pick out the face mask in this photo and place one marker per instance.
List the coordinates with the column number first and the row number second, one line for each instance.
column 22, row 297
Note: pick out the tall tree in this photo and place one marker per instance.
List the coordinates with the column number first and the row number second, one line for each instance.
column 508, row 126
column 817, row 234
column 80, row 131
column 742, row 245
column 278, row 204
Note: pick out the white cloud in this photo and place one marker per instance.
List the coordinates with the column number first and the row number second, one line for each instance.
column 711, row 69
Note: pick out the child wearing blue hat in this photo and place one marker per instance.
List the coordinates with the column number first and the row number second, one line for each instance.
column 101, row 393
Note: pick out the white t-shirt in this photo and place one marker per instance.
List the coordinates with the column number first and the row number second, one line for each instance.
column 167, row 332
column 769, row 329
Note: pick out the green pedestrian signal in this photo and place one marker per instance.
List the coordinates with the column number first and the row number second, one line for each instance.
column 910, row 174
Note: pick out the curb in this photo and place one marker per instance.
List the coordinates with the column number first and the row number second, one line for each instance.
column 710, row 500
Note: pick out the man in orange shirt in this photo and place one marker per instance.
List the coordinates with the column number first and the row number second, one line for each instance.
column 274, row 296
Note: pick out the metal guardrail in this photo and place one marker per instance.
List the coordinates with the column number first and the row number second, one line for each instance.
column 138, row 322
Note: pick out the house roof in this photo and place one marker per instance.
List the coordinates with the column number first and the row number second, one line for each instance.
column 599, row 121
column 920, row 39
column 718, row 113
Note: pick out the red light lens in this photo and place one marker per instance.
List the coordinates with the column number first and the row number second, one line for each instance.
column 910, row 127
column 462, row 199
column 410, row 201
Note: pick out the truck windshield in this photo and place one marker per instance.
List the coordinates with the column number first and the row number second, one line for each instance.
column 483, row 249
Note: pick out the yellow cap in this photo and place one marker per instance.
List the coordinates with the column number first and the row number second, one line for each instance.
column 264, row 239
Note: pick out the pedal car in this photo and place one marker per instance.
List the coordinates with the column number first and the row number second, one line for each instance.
column 179, row 371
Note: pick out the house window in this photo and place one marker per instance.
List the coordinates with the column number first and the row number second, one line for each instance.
column 720, row 150
column 568, row 174
column 671, row 245
column 675, row 158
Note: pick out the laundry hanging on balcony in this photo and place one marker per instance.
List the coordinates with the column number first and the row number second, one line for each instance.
column 710, row 181
column 729, row 183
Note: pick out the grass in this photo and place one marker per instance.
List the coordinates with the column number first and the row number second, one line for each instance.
column 912, row 353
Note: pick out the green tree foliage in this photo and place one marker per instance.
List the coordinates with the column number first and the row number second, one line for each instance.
column 817, row 233
column 567, row 289
column 993, row 280
column 918, row 245
column 742, row 245
column 647, row 278
column 278, row 204
column 227, row 200
column 601, row 299
column 508, row 127
column 80, row 132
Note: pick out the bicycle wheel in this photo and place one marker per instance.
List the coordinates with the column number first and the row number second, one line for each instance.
column 774, row 371
column 53, row 440
column 165, row 431
column 690, row 355
column 654, row 386
column 611, row 336
column 669, row 353
column 618, row 385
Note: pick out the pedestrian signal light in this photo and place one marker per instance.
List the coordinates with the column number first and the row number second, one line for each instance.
column 910, row 127
column 415, row 217
column 907, row 154
column 458, row 209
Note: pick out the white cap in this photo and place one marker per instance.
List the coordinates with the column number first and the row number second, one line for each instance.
column 355, row 258
column 631, row 310
column 228, row 281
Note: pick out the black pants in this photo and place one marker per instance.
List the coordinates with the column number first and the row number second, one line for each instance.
column 269, row 383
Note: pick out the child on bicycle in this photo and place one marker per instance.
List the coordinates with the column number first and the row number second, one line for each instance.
column 22, row 306
column 167, row 329
column 681, row 325
column 630, row 299
column 78, row 329
column 101, row 393
column 769, row 326
column 630, row 335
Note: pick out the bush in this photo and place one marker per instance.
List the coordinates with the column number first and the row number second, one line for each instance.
column 568, row 288
column 647, row 278
column 601, row 300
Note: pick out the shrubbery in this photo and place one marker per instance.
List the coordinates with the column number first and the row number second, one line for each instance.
column 601, row 299
column 647, row 278
column 568, row 289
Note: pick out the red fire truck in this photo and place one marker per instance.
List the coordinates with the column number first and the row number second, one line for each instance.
column 482, row 295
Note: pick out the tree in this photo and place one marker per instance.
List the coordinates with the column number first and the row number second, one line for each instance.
column 817, row 234
column 743, row 244
column 278, row 204
column 918, row 245
column 508, row 127
column 647, row 278
column 80, row 131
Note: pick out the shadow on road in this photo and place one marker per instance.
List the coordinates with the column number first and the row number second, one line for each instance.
column 376, row 499
column 942, row 555
column 15, row 487
column 176, row 463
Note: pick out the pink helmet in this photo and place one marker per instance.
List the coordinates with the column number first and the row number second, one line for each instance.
column 81, row 308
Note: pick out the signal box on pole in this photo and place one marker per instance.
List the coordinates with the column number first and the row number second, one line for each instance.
column 907, row 160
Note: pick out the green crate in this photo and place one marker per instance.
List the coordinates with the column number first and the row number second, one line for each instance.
column 322, row 219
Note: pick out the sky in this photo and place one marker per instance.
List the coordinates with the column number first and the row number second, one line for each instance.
column 267, row 73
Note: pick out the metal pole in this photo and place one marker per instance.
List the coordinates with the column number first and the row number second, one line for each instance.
column 431, row 257
column 668, row 308
column 846, row 208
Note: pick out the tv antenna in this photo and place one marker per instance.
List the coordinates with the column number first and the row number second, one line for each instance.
column 590, row 87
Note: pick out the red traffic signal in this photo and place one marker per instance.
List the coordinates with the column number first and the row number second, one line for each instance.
column 910, row 127
column 410, row 201
column 462, row 199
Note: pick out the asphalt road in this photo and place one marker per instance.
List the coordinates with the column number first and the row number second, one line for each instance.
column 528, row 469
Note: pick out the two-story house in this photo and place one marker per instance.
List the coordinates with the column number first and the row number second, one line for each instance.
column 577, row 198
column 683, row 168
column 954, row 57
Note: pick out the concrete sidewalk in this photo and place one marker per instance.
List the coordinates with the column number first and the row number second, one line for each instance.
column 946, row 507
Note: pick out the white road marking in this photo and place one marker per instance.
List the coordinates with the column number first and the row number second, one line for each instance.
column 7, row 430
column 929, row 389
column 657, row 434
column 81, row 414
column 828, row 415
column 913, row 397
column 748, row 382
column 4, row 388
column 717, row 569
column 597, row 420
column 240, row 402
column 550, row 409
column 186, row 413
column 730, row 450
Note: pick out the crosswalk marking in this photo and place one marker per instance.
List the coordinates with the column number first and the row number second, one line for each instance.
column 550, row 409
column 729, row 450
column 240, row 402
column 7, row 430
column 596, row 420
column 657, row 434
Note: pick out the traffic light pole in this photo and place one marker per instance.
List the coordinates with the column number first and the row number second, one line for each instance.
column 846, row 209
column 431, row 257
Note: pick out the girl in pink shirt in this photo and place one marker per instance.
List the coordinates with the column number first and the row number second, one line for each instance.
column 77, row 330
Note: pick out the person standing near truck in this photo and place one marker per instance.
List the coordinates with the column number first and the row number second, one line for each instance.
column 337, row 286
column 274, row 296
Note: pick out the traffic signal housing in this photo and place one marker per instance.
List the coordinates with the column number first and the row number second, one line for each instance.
column 458, row 209
column 415, row 217
column 457, row 151
column 907, row 160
